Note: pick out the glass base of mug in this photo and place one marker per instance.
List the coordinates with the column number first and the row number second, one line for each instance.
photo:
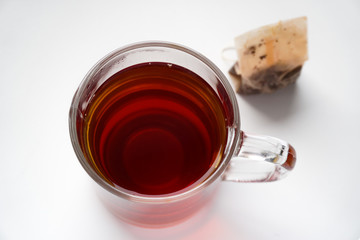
column 197, row 216
column 158, row 215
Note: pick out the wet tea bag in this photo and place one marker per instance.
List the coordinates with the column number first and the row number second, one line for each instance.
column 270, row 57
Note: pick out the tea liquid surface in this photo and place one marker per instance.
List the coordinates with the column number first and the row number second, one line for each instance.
column 154, row 128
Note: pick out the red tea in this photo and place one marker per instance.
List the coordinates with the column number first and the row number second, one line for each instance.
column 154, row 128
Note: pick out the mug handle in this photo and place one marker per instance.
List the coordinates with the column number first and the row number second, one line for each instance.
column 260, row 159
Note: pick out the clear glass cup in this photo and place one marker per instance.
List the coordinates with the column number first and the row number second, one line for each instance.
column 246, row 158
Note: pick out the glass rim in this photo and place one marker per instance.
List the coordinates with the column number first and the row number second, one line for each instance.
column 165, row 197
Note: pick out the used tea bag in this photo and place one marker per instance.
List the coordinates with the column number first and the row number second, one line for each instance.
column 270, row 57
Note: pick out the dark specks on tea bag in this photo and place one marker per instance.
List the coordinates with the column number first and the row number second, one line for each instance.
column 271, row 57
column 267, row 80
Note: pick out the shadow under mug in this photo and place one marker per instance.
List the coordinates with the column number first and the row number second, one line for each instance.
column 245, row 157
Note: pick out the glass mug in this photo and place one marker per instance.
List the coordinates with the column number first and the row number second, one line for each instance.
column 157, row 127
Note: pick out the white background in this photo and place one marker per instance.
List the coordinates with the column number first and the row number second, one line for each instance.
column 46, row 47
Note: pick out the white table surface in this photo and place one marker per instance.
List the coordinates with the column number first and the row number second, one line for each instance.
column 46, row 47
